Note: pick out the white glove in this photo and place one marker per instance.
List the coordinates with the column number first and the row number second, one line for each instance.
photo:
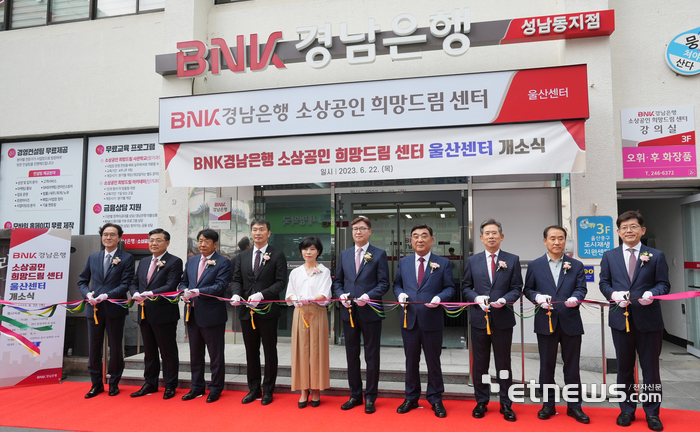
column 323, row 302
column 543, row 300
column 146, row 294
column 619, row 298
column 102, row 297
column 91, row 299
column 345, row 300
column 646, row 299
column 138, row 298
column 364, row 298
column 190, row 293
column 403, row 299
column 571, row 302
column 236, row 300
column 305, row 300
column 255, row 299
column 482, row 301
column 499, row 303
column 435, row 302
column 297, row 302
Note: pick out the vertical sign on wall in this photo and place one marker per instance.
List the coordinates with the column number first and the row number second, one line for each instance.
column 658, row 142
column 31, row 347
column 41, row 184
column 122, row 185
column 220, row 213
column 595, row 236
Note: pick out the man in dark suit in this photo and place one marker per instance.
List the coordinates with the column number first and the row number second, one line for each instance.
column 492, row 279
column 423, row 278
column 557, row 284
column 630, row 275
column 158, row 274
column 259, row 273
column 362, row 274
column 206, row 273
column 107, row 275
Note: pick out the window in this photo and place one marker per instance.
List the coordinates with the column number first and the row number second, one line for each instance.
column 16, row 14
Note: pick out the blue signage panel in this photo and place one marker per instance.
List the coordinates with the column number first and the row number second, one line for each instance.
column 683, row 53
column 590, row 275
column 595, row 235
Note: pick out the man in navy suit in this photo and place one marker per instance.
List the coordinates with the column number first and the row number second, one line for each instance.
column 557, row 284
column 630, row 275
column 107, row 275
column 362, row 274
column 157, row 274
column 207, row 273
column 259, row 273
column 423, row 278
column 492, row 279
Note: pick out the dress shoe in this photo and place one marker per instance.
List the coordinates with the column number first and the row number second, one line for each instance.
column 369, row 407
column 508, row 414
column 94, row 391
column 192, row 394
column 625, row 419
column 439, row 409
column 546, row 412
column 406, row 406
column 350, row 404
column 479, row 410
column 146, row 389
column 578, row 415
column 113, row 389
column 266, row 399
column 654, row 423
column 250, row 397
column 213, row 397
column 169, row 393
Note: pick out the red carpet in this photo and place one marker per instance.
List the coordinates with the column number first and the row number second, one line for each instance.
column 63, row 407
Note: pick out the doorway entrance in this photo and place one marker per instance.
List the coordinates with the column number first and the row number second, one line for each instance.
column 392, row 216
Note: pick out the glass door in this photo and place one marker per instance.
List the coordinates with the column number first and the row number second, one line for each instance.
column 691, row 245
column 392, row 216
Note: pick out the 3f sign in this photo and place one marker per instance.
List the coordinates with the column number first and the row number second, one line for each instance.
column 603, row 229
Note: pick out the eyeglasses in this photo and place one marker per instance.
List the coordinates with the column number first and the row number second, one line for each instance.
column 360, row 229
column 625, row 228
column 156, row 240
column 110, row 235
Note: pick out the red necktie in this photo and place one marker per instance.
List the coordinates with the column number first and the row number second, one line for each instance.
column 421, row 270
column 151, row 270
column 493, row 266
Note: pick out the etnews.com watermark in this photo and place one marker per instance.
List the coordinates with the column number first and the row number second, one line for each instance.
column 640, row 393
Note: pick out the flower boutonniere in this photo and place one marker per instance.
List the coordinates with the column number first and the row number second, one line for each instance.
column 210, row 263
column 567, row 266
column 159, row 265
column 433, row 266
column 265, row 258
column 368, row 257
column 644, row 257
column 115, row 261
column 316, row 270
column 502, row 265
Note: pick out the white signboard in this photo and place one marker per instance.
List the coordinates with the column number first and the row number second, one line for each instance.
column 122, row 183
column 41, row 184
column 220, row 213
column 548, row 147
column 37, row 275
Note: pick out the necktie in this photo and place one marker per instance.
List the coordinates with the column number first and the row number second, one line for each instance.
column 493, row 266
column 256, row 268
column 151, row 270
column 202, row 265
column 632, row 263
column 358, row 260
column 108, row 259
column 421, row 270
